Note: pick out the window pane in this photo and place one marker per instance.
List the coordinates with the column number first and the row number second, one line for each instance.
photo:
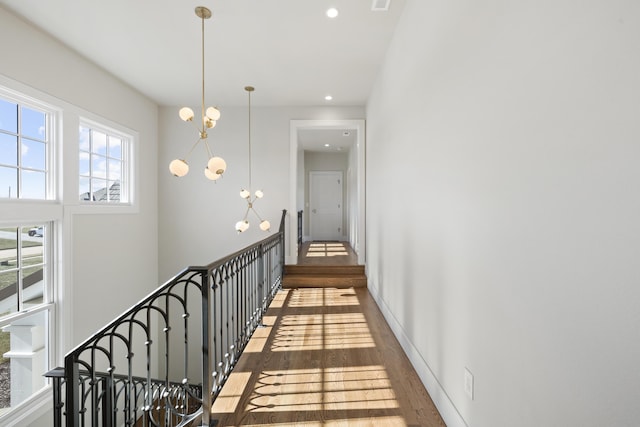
column 8, row 182
column 99, row 142
column 99, row 166
column 8, row 249
column 26, row 349
column 99, row 188
column 33, row 124
column 33, row 154
column 84, row 138
column 33, row 185
column 8, row 149
column 115, row 170
column 32, row 286
column 8, row 116
column 32, row 248
column 102, row 166
column 84, row 163
column 85, row 189
column 115, row 147
column 8, row 292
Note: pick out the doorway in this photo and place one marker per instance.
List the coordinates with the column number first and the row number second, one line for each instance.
column 355, row 199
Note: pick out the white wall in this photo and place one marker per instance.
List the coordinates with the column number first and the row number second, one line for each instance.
column 110, row 260
column 198, row 216
column 502, row 213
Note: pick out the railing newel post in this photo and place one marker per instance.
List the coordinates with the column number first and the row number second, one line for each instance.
column 72, row 399
column 207, row 347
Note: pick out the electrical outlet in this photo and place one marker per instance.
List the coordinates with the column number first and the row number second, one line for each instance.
column 468, row 383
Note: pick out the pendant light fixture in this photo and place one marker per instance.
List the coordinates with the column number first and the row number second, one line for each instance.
column 215, row 165
column 243, row 225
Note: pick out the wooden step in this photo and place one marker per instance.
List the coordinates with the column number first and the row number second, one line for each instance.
column 333, row 270
column 324, row 276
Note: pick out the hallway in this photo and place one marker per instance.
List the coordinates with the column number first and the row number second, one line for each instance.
column 325, row 357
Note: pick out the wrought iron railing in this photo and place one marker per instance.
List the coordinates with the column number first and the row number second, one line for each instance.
column 164, row 361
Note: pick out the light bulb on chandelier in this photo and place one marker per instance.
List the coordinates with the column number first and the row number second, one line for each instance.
column 216, row 166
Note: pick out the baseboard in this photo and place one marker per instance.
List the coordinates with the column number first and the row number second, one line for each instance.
column 447, row 409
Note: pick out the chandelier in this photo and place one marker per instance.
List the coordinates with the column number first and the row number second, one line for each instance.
column 243, row 225
column 209, row 117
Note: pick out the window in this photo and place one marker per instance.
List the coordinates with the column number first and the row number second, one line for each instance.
column 103, row 166
column 25, row 131
column 29, row 212
column 25, row 310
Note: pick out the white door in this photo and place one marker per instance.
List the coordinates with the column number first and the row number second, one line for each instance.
column 325, row 205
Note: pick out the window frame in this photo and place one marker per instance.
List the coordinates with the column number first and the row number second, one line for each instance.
column 52, row 134
column 129, row 139
column 17, row 212
column 47, row 307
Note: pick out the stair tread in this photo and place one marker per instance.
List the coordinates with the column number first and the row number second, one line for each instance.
column 335, row 276
column 322, row 269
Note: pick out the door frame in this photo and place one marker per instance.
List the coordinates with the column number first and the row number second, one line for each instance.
column 357, row 237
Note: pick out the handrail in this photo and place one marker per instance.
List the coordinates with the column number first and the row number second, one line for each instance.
column 165, row 360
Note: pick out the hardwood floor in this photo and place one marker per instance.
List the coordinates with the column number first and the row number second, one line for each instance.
column 326, row 357
column 326, row 253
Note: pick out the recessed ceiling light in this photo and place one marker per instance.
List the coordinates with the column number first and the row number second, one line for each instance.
column 332, row 13
column 327, row 145
column 328, row 98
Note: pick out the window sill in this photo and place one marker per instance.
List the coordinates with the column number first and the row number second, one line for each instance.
column 102, row 208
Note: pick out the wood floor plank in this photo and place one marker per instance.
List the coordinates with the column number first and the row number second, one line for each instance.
column 326, row 358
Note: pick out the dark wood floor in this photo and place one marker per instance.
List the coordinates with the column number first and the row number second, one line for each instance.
column 325, row 358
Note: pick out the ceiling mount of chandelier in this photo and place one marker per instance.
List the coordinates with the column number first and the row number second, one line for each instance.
column 243, row 225
column 216, row 166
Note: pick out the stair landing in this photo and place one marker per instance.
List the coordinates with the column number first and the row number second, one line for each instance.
column 325, row 265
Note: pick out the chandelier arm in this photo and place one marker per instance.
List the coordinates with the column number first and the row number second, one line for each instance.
column 192, row 148
column 195, row 126
column 257, row 214
column 206, row 146
column 246, row 213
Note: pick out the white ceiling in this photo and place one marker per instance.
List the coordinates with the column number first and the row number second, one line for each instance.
column 288, row 49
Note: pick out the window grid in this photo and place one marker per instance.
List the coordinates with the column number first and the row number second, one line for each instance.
column 25, row 131
column 25, row 310
column 103, row 165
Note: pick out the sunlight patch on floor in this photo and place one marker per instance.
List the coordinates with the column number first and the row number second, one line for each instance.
column 322, row 387
column 326, row 250
column 325, row 297
column 322, row 332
